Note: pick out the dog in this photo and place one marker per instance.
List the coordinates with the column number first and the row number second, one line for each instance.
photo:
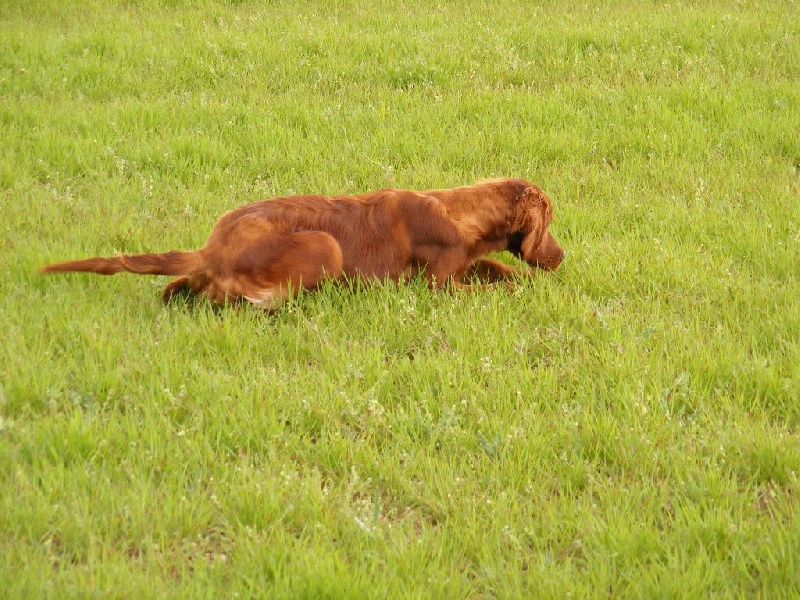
column 267, row 251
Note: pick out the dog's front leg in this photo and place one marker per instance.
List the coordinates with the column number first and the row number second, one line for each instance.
column 479, row 276
column 488, row 270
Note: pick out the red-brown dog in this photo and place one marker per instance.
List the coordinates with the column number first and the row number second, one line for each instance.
column 264, row 252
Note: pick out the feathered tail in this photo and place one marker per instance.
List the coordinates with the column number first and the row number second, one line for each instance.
column 175, row 262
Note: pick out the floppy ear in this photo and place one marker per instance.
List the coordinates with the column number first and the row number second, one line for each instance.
column 532, row 206
column 533, row 235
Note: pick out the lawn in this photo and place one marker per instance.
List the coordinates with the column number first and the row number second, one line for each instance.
column 628, row 426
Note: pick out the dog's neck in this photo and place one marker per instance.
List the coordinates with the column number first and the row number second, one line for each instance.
column 485, row 213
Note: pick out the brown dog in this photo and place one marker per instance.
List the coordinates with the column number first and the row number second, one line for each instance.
column 262, row 252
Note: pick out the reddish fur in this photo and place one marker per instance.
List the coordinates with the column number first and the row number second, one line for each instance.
column 264, row 251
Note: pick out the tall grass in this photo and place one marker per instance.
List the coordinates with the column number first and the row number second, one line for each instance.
column 627, row 426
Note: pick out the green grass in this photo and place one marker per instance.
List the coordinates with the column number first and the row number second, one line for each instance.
column 628, row 426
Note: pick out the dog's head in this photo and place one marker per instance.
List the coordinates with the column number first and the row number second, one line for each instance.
column 530, row 239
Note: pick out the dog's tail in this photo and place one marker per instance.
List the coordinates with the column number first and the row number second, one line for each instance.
column 175, row 262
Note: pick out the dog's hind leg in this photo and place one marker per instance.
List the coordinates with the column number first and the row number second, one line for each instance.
column 270, row 272
column 265, row 270
column 176, row 287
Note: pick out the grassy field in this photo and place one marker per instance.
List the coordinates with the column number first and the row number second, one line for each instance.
column 628, row 426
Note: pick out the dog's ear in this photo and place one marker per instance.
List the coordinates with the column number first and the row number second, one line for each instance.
column 533, row 236
column 534, row 210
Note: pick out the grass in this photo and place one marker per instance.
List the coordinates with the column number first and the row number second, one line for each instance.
column 628, row 426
